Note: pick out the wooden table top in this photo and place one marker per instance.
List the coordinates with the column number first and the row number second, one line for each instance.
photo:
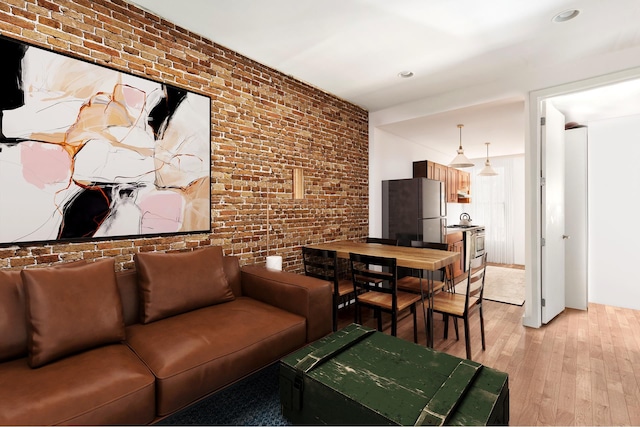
column 419, row 258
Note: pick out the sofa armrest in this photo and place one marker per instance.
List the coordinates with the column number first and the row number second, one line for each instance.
column 306, row 296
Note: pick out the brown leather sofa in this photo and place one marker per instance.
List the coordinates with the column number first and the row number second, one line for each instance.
column 85, row 345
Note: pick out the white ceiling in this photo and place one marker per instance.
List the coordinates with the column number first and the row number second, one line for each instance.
column 356, row 48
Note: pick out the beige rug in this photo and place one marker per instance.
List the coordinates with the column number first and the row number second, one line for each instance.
column 502, row 284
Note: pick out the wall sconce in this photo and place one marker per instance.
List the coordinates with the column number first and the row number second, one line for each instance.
column 298, row 184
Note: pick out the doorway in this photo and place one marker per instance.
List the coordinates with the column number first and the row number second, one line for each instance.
column 533, row 158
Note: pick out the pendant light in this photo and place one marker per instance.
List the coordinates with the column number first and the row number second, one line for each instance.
column 460, row 161
column 487, row 170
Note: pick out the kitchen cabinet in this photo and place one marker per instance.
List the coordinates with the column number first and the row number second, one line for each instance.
column 423, row 169
column 430, row 170
column 440, row 172
column 464, row 186
column 452, row 185
column 456, row 244
column 457, row 181
column 458, row 186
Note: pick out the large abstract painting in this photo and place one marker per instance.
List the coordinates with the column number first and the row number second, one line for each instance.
column 90, row 152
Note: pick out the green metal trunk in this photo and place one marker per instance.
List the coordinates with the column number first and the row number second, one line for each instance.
column 357, row 376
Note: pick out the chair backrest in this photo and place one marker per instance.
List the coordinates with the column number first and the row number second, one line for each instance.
column 321, row 264
column 374, row 273
column 475, row 280
column 429, row 245
column 446, row 271
column 392, row 242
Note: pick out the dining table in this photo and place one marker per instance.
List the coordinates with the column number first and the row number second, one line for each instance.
column 430, row 260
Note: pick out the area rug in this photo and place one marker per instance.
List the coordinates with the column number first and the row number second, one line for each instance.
column 502, row 285
column 254, row 401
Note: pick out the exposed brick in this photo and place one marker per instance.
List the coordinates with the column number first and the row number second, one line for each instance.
column 263, row 124
column 22, row 261
column 16, row 21
column 49, row 5
column 47, row 259
column 23, row 13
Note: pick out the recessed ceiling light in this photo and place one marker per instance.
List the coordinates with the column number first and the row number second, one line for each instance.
column 405, row 74
column 565, row 16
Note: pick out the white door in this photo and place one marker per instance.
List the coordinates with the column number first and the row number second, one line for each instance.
column 576, row 218
column 552, row 215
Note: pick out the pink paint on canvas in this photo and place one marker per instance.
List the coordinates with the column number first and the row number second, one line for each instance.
column 161, row 212
column 44, row 164
column 133, row 97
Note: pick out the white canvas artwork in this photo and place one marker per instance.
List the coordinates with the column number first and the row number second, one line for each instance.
column 91, row 152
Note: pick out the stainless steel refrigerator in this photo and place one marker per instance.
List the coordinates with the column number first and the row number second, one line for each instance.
column 414, row 209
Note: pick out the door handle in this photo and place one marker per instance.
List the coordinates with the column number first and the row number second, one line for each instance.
column 566, row 236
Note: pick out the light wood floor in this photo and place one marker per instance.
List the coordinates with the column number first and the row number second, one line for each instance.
column 583, row 368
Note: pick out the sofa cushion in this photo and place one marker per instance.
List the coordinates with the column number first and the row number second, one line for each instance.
column 13, row 326
column 174, row 283
column 199, row 352
column 71, row 309
column 106, row 386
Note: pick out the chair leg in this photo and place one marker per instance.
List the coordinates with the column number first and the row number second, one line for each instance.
column 336, row 302
column 356, row 313
column 378, row 314
column 482, row 328
column 445, row 317
column 415, row 324
column 455, row 326
column 394, row 323
column 467, row 339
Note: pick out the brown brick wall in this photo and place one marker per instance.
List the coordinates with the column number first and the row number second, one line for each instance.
column 263, row 125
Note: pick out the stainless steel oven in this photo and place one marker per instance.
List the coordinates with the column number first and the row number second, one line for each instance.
column 476, row 243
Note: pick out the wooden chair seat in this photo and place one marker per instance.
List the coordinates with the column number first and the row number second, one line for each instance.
column 412, row 284
column 345, row 287
column 450, row 303
column 385, row 301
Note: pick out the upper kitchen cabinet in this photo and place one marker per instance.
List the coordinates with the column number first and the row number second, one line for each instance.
column 440, row 172
column 452, row 185
column 430, row 170
column 458, row 183
column 464, row 187
column 458, row 186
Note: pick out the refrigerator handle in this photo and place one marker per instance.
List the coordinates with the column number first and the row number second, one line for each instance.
column 444, row 230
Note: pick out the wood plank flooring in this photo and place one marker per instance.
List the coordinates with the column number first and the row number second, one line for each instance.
column 583, row 368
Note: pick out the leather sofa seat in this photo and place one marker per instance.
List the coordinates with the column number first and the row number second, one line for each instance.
column 189, row 357
column 105, row 385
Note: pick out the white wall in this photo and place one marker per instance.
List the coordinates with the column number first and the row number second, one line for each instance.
column 614, row 209
column 390, row 157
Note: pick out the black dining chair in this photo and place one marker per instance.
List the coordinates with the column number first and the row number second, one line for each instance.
column 381, row 241
column 459, row 305
column 378, row 289
column 323, row 264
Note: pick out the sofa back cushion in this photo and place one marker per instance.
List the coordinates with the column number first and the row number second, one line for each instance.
column 231, row 265
column 13, row 326
column 128, row 288
column 71, row 309
column 174, row 283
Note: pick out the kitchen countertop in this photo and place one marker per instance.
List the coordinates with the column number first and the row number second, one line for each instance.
column 450, row 230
